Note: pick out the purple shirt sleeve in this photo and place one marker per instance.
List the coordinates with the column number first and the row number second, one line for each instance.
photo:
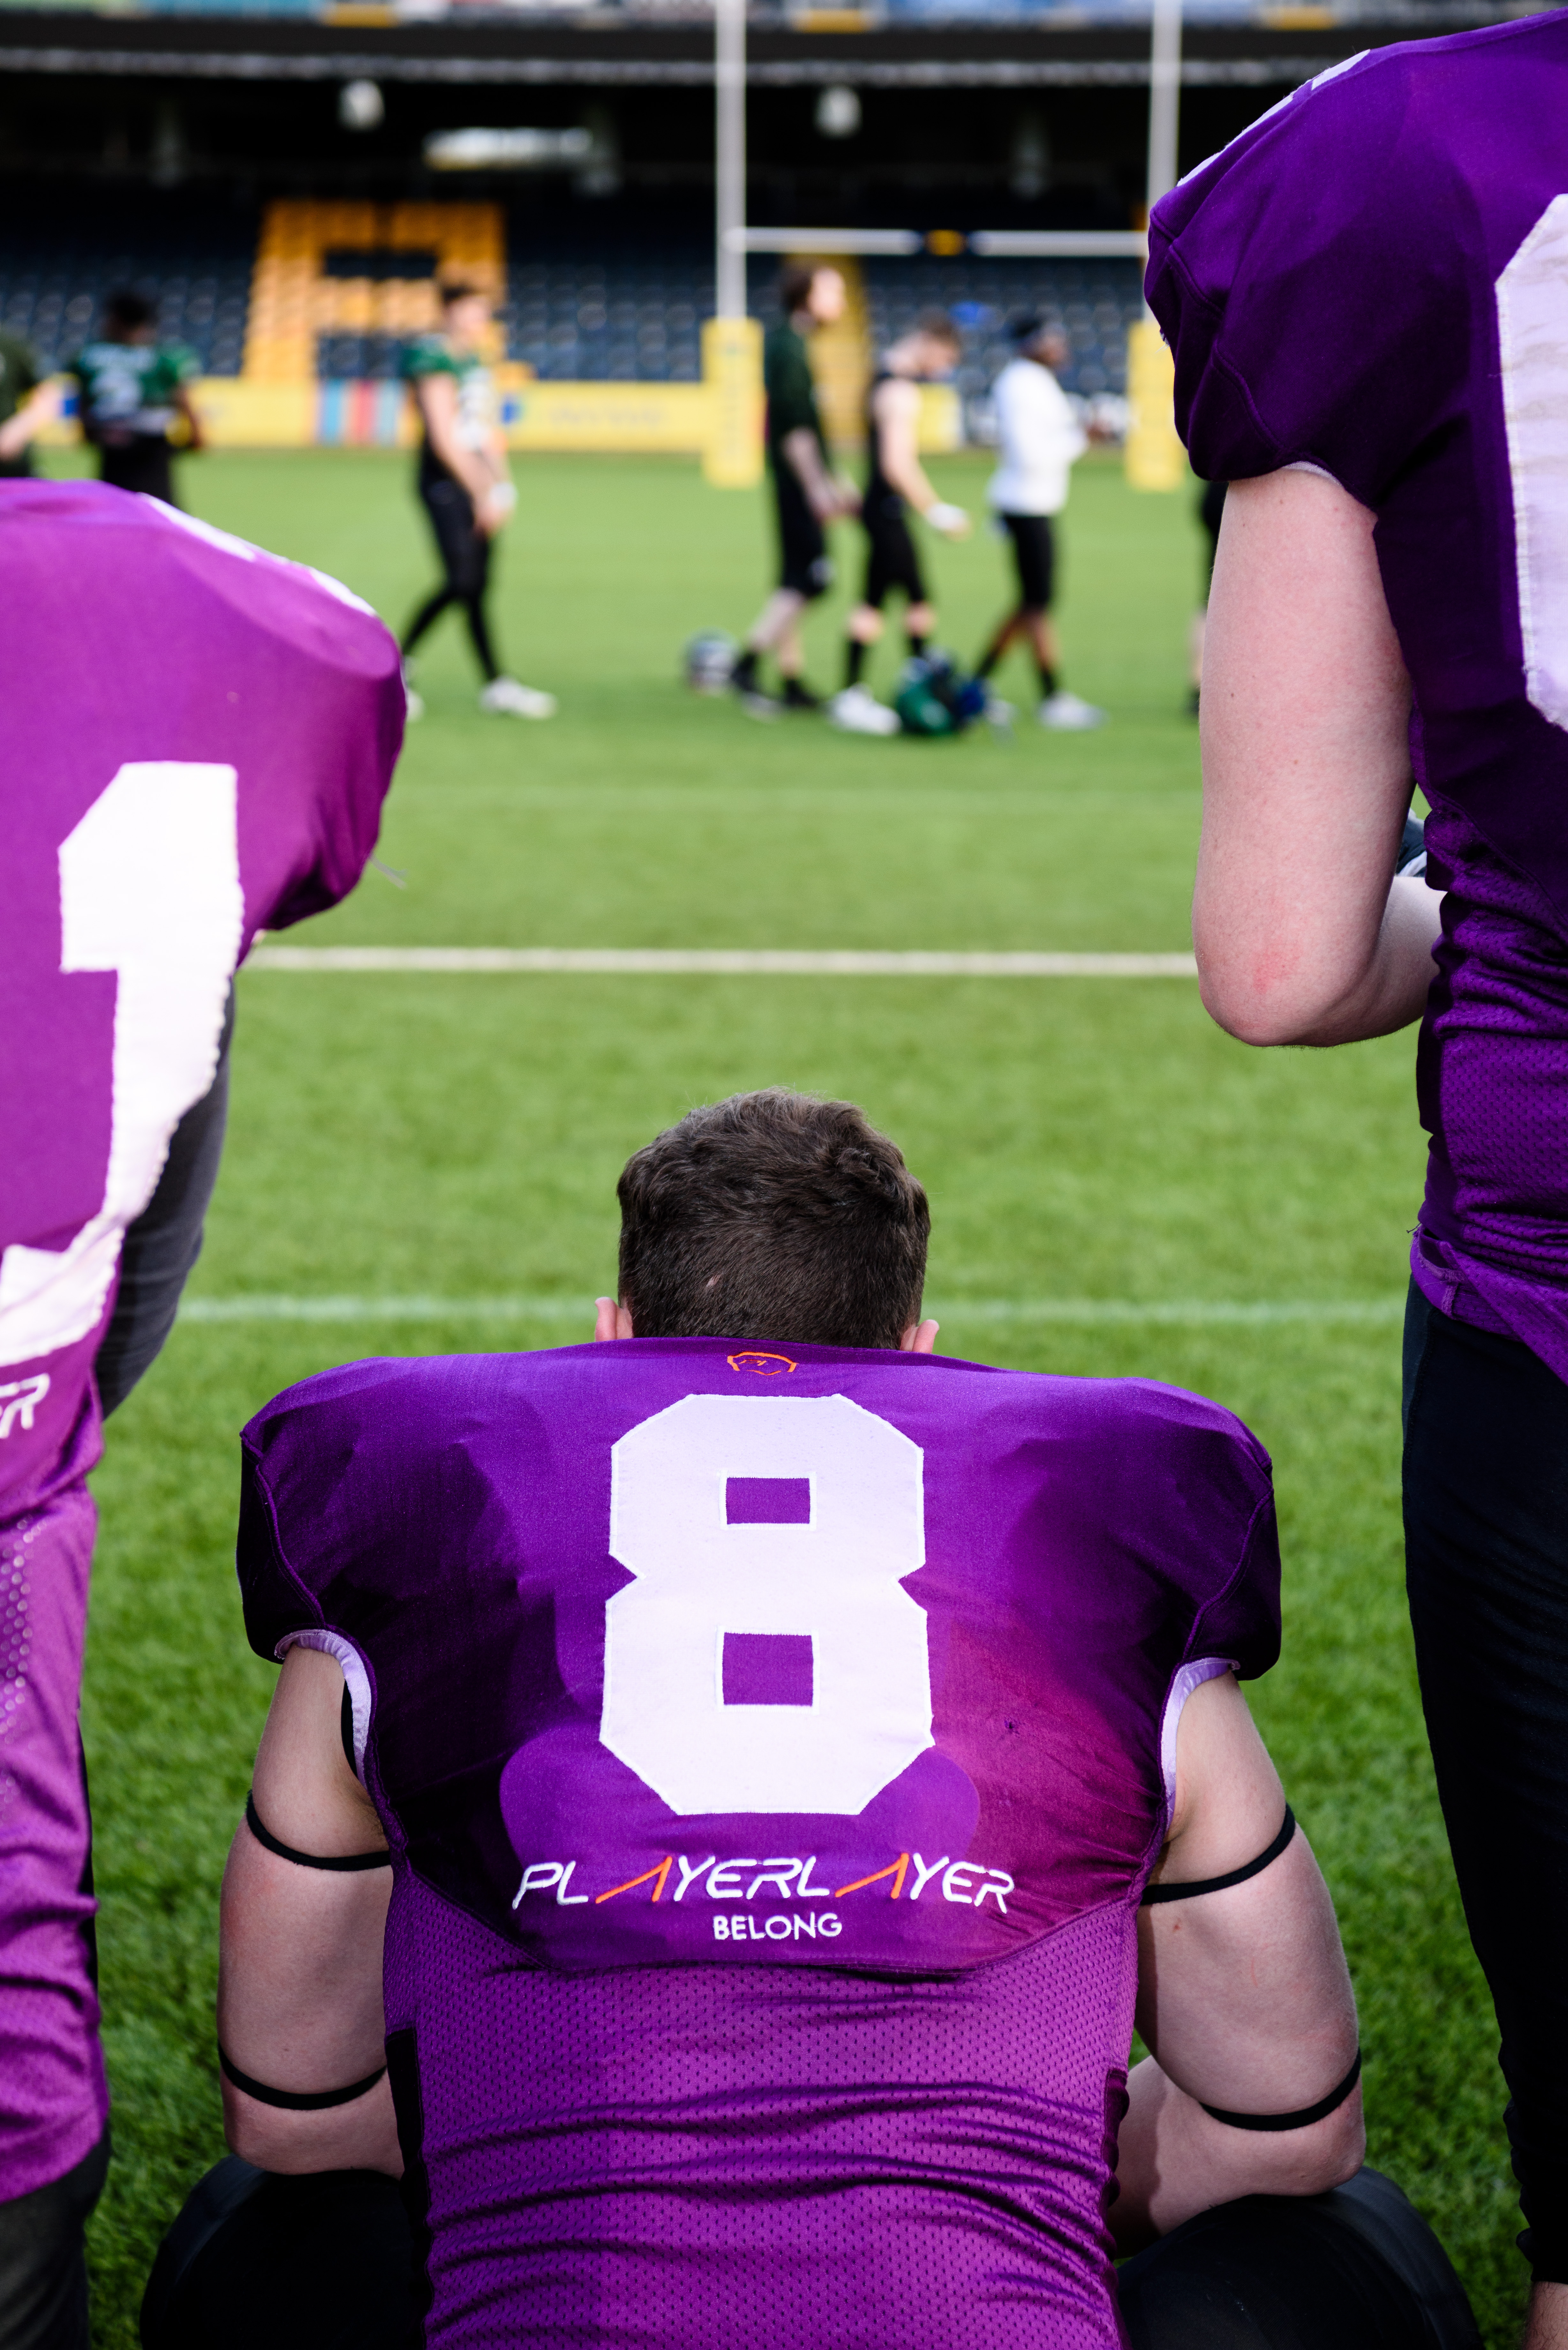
column 1312, row 314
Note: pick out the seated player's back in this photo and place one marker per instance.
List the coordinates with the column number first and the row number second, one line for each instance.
column 773, row 1744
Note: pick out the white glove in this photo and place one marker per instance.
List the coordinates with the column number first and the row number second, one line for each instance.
column 952, row 521
column 501, row 497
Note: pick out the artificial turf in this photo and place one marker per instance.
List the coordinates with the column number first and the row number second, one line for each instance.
column 1116, row 1187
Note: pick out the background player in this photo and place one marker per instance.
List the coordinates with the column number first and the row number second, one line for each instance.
column 929, row 1635
column 806, row 494
column 132, row 394
column 895, row 480
column 1352, row 653
column 1040, row 439
column 223, row 771
column 466, row 485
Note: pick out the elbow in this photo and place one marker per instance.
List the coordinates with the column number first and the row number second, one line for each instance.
column 1253, row 1010
column 1310, row 2161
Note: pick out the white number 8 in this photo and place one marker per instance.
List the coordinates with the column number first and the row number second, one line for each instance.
column 703, row 1581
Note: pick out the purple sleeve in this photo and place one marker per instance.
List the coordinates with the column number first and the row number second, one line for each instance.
column 1313, row 316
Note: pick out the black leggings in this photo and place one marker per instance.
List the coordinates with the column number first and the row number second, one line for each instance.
column 1486, row 1545
column 465, row 557
column 327, row 2264
column 43, row 2263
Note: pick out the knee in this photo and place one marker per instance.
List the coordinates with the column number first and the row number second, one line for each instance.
column 866, row 624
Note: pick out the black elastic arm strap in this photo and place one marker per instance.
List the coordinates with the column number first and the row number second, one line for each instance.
column 341, row 1861
column 296, row 2101
column 1304, row 2120
column 1153, row 1893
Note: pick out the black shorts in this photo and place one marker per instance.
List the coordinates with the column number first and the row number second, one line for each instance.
column 141, row 465
column 463, row 548
column 806, row 568
column 892, row 561
column 1034, row 553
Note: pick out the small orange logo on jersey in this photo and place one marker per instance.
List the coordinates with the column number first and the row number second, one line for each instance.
column 766, row 1366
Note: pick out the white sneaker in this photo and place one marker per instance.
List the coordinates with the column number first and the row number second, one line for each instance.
column 504, row 698
column 1069, row 715
column 857, row 712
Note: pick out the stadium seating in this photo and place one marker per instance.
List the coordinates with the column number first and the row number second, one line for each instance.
column 281, row 296
column 194, row 261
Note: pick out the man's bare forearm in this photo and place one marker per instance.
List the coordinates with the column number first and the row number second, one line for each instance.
column 1175, row 2160
column 802, row 451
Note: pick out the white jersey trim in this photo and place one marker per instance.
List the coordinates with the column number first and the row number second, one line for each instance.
column 1187, row 1679
column 351, row 1664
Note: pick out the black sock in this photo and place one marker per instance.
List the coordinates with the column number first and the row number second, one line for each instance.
column 917, row 645
column 743, row 676
column 988, row 659
column 1047, row 682
column 799, row 696
column 853, row 662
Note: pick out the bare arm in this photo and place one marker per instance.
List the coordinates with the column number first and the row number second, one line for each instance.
column 40, row 408
column 299, row 1981
column 437, row 396
column 1301, row 939
column 1243, row 1995
column 825, row 497
column 196, row 438
column 898, row 407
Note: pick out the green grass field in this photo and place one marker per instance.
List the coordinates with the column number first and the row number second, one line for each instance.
column 1114, row 1184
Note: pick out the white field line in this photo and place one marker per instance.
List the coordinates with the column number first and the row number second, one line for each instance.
column 769, row 962
column 959, row 1310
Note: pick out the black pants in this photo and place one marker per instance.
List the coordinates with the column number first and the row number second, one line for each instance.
column 42, row 2264
column 140, row 464
column 1486, row 1544
column 325, row 2263
column 465, row 551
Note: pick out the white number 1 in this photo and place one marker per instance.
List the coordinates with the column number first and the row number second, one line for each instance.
column 703, row 1579
column 150, row 889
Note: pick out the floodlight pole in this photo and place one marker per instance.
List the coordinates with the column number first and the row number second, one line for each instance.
column 1163, row 97
column 729, row 155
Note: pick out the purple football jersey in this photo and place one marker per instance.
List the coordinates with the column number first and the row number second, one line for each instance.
column 773, row 1744
column 1369, row 281
column 198, row 737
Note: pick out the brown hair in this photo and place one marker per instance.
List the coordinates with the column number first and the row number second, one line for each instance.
column 772, row 1215
column 455, row 290
column 940, row 326
column 796, row 279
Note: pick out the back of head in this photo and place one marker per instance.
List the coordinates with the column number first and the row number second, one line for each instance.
column 125, row 312
column 772, row 1215
column 796, row 279
column 939, row 326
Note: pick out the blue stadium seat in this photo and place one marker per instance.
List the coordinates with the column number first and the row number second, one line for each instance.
column 193, row 261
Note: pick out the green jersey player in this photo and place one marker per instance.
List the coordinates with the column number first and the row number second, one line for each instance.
column 133, row 392
column 465, row 487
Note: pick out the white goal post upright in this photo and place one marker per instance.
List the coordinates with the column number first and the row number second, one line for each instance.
column 730, row 156
column 731, row 343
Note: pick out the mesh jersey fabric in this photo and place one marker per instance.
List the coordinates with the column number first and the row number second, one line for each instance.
column 1364, row 282
column 771, row 1774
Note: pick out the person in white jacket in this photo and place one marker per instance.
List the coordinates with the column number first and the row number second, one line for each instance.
column 1040, row 439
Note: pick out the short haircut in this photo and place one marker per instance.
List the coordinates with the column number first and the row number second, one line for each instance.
column 796, row 279
column 459, row 292
column 773, row 1216
column 940, row 326
column 128, row 309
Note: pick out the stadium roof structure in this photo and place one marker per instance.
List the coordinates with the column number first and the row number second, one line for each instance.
column 905, row 44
